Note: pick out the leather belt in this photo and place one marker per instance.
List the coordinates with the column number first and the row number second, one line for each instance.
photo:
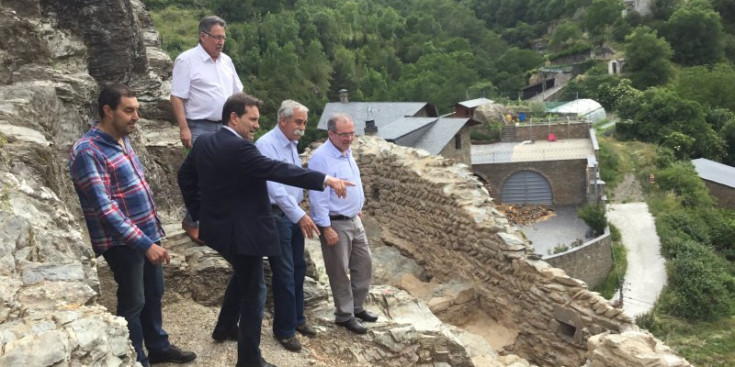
column 205, row 120
column 340, row 217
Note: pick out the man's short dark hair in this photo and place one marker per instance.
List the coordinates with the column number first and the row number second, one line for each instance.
column 208, row 22
column 332, row 122
column 111, row 95
column 237, row 103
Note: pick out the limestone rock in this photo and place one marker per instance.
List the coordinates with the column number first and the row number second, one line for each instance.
column 631, row 348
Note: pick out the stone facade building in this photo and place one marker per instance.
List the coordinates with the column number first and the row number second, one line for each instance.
column 529, row 167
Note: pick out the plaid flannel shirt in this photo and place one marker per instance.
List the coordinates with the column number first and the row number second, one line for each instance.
column 116, row 200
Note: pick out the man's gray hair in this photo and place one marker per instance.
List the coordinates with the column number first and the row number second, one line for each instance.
column 332, row 122
column 208, row 22
column 287, row 108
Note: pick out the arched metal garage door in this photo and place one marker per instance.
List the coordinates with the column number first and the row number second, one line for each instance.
column 526, row 187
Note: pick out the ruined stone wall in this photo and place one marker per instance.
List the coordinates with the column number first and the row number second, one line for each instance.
column 442, row 216
column 575, row 130
column 591, row 262
column 568, row 178
column 724, row 195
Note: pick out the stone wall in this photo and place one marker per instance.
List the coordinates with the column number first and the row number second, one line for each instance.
column 724, row 195
column 568, row 178
column 441, row 215
column 539, row 131
column 591, row 262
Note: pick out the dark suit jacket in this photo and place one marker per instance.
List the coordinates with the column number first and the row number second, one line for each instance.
column 223, row 184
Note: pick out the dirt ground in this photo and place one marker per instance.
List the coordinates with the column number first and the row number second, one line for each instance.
column 629, row 190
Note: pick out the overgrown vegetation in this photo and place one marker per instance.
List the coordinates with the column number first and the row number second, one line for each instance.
column 594, row 216
column 614, row 280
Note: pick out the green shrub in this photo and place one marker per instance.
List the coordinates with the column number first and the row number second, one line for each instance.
column 615, row 234
column 665, row 157
column 594, row 216
column 681, row 178
column 609, row 164
column 615, row 278
column 701, row 287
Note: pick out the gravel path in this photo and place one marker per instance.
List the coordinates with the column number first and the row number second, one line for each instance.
column 646, row 274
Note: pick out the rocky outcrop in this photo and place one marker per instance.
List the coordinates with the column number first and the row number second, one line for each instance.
column 54, row 56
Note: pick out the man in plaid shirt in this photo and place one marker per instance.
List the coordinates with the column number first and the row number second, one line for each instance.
column 123, row 225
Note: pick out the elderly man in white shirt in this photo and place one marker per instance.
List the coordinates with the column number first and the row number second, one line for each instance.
column 203, row 79
column 347, row 257
column 289, row 269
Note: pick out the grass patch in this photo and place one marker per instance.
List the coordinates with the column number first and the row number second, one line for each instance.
column 704, row 344
column 620, row 264
column 618, row 158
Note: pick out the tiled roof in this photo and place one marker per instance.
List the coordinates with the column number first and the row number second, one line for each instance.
column 403, row 126
column 441, row 134
column 382, row 112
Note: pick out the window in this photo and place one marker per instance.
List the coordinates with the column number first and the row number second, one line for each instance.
column 458, row 141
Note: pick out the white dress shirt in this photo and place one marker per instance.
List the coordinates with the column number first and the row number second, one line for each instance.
column 204, row 84
column 275, row 145
column 329, row 160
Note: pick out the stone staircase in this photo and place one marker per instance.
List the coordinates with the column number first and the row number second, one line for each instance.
column 509, row 134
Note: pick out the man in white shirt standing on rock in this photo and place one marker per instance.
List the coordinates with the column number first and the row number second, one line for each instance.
column 203, row 79
column 289, row 269
column 345, row 249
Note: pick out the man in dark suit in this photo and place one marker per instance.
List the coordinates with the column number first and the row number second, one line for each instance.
column 223, row 182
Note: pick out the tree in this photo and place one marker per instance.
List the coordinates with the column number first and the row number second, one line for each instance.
column 659, row 112
column 600, row 15
column 662, row 9
column 565, row 34
column 513, row 67
column 710, row 86
column 728, row 134
column 647, row 58
column 439, row 78
column 695, row 32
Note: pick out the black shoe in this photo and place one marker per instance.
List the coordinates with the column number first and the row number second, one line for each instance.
column 366, row 316
column 223, row 335
column 173, row 355
column 261, row 363
column 290, row 343
column 306, row 330
column 352, row 325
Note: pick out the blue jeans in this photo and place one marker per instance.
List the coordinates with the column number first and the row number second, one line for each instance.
column 244, row 301
column 289, row 271
column 139, row 292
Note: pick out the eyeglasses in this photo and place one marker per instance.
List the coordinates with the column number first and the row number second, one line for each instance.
column 218, row 38
column 343, row 135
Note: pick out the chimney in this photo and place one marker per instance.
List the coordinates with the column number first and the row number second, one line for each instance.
column 344, row 96
column 370, row 128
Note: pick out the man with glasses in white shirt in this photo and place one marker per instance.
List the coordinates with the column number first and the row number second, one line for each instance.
column 203, row 78
column 345, row 249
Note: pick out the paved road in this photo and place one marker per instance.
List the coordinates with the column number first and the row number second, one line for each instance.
column 646, row 274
